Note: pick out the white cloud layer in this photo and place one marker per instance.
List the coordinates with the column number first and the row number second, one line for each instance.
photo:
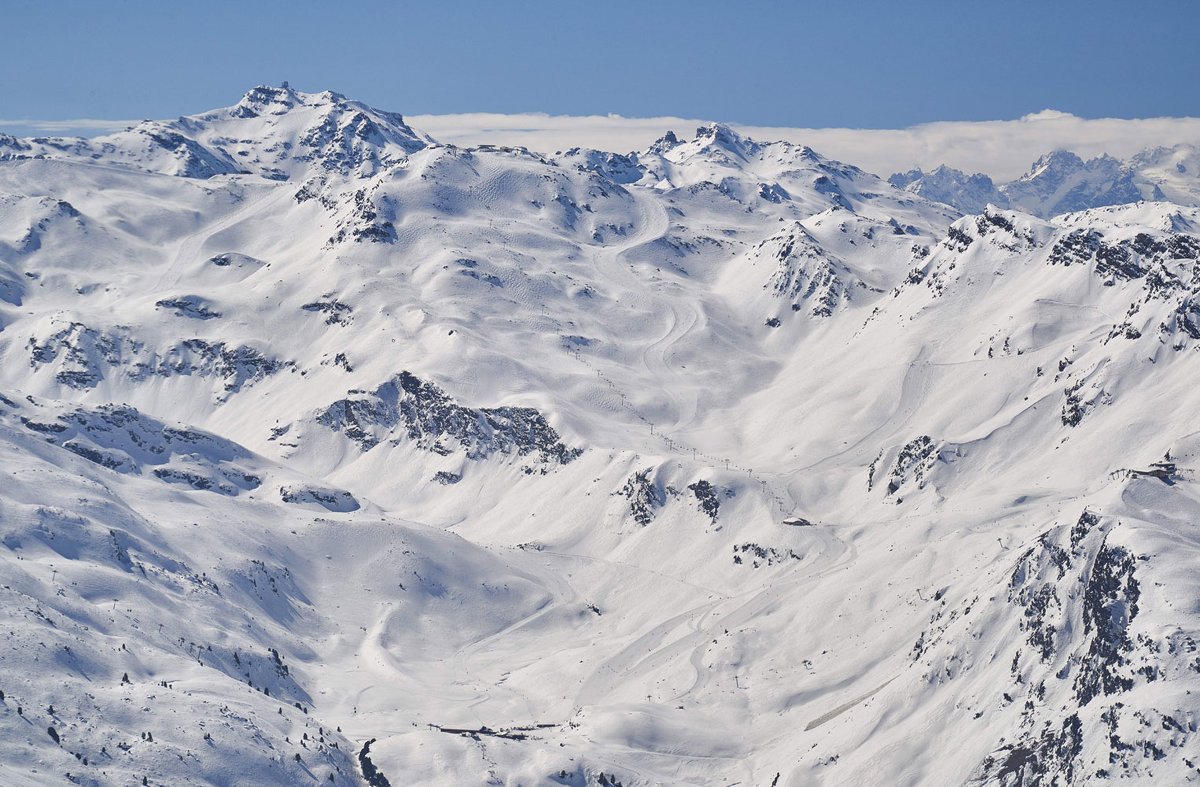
column 1003, row 149
column 75, row 126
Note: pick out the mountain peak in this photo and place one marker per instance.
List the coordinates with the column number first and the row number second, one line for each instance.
column 664, row 143
column 1055, row 162
column 264, row 99
column 969, row 193
column 722, row 137
column 302, row 129
column 718, row 132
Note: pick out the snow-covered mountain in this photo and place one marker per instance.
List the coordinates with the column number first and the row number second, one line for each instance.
column 1062, row 182
column 338, row 455
column 276, row 133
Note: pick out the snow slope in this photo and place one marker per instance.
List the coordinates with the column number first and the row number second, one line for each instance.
column 338, row 455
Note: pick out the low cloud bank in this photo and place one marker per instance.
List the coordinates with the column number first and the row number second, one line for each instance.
column 78, row 127
column 1003, row 149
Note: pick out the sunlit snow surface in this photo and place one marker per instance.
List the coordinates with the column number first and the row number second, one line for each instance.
column 718, row 463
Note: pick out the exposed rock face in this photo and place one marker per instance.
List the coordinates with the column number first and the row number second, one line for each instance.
column 913, row 462
column 1075, row 690
column 643, row 495
column 122, row 439
column 407, row 408
column 336, row 312
column 807, row 275
column 707, row 497
column 191, row 306
column 330, row 499
column 82, row 356
column 756, row 555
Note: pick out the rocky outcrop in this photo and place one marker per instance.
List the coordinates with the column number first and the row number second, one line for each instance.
column 123, row 439
column 1080, row 657
column 82, row 356
column 644, row 496
column 913, row 462
column 192, row 306
column 708, row 498
column 806, row 275
column 330, row 499
column 408, row 409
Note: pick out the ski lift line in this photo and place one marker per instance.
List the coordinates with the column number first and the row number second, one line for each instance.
column 696, row 453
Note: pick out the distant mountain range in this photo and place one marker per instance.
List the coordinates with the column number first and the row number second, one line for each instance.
column 1062, row 182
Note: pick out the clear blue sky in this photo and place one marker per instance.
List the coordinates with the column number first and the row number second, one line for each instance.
column 857, row 63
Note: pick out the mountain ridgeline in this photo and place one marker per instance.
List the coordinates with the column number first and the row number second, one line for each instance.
column 1062, row 182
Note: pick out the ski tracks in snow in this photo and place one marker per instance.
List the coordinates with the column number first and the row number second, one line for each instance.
column 189, row 249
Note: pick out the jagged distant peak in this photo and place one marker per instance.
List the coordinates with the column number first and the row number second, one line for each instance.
column 969, row 193
column 1061, row 182
column 944, row 170
column 708, row 137
column 1184, row 159
column 1055, row 159
column 942, row 173
column 1060, row 163
column 664, row 143
column 721, row 143
column 714, row 139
